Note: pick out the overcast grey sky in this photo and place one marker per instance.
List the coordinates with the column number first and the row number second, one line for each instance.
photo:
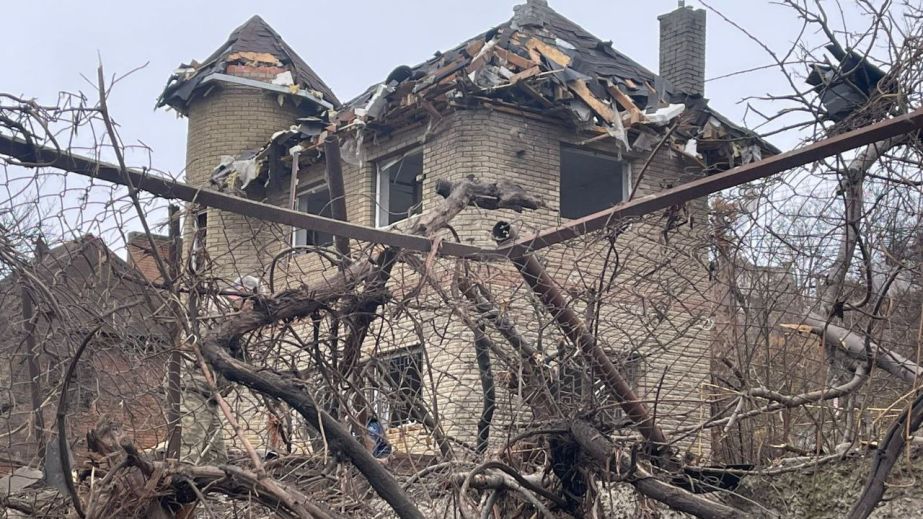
column 351, row 44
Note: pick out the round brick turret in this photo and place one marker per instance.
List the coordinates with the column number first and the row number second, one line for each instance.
column 233, row 106
column 227, row 121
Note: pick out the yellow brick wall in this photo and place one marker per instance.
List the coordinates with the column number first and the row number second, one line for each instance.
column 652, row 277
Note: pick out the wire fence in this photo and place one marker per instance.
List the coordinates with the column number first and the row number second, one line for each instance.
column 214, row 367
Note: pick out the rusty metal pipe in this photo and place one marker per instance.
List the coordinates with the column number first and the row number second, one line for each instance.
column 548, row 292
column 334, row 172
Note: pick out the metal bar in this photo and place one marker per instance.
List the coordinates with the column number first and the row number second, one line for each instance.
column 168, row 188
column 41, row 156
column 35, row 387
column 227, row 78
column 570, row 324
column 712, row 184
column 334, row 172
column 174, row 439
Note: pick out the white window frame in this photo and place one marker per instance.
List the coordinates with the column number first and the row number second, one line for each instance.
column 310, row 190
column 381, row 183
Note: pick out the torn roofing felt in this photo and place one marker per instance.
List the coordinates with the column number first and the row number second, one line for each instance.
column 255, row 45
column 845, row 87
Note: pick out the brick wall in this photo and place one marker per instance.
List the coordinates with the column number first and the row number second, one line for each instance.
column 682, row 49
column 668, row 330
column 226, row 121
column 141, row 257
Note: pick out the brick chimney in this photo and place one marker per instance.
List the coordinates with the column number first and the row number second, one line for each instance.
column 682, row 48
column 141, row 257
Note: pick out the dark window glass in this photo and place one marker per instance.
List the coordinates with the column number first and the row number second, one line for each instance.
column 590, row 182
column 317, row 202
column 405, row 383
column 400, row 188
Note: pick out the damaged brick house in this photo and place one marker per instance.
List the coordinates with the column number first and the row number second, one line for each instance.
column 536, row 101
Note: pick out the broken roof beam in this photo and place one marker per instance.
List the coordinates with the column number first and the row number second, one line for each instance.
column 550, row 52
column 165, row 187
column 604, row 111
column 515, row 59
column 712, row 184
column 622, row 98
column 536, row 95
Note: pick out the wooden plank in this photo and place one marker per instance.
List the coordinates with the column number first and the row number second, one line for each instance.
column 626, row 103
column 514, row 59
column 525, row 74
column 473, row 47
column 601, row 109
column 447, row 69
column 257, row 57
column 550, row 52
column 479, row 62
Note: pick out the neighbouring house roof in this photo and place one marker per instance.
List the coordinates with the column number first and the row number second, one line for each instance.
column 119, row 375
column 89, row 282
column 141, row 257
column 254, row 44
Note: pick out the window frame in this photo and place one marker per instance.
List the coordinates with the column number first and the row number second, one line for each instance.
column 313, row 188
column 593, row 152
column 382, row 399
column 382, row 207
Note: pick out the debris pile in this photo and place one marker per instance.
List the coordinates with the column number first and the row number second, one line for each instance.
column 847, row 86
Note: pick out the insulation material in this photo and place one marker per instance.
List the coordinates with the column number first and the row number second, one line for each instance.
column 232, row 171
column 284, row 79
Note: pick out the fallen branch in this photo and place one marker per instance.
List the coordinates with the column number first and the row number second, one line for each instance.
column 854, row 345
column 885, row 457
column 61, row 418
column 601, row 450
column 300, row 303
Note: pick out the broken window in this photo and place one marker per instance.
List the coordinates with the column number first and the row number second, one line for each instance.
column 401, row 384
column 399, row 188
column 590, row 181
column 316, row 201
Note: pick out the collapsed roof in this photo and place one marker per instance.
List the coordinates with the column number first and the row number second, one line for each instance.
column 543, row 63
column 253, row 48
